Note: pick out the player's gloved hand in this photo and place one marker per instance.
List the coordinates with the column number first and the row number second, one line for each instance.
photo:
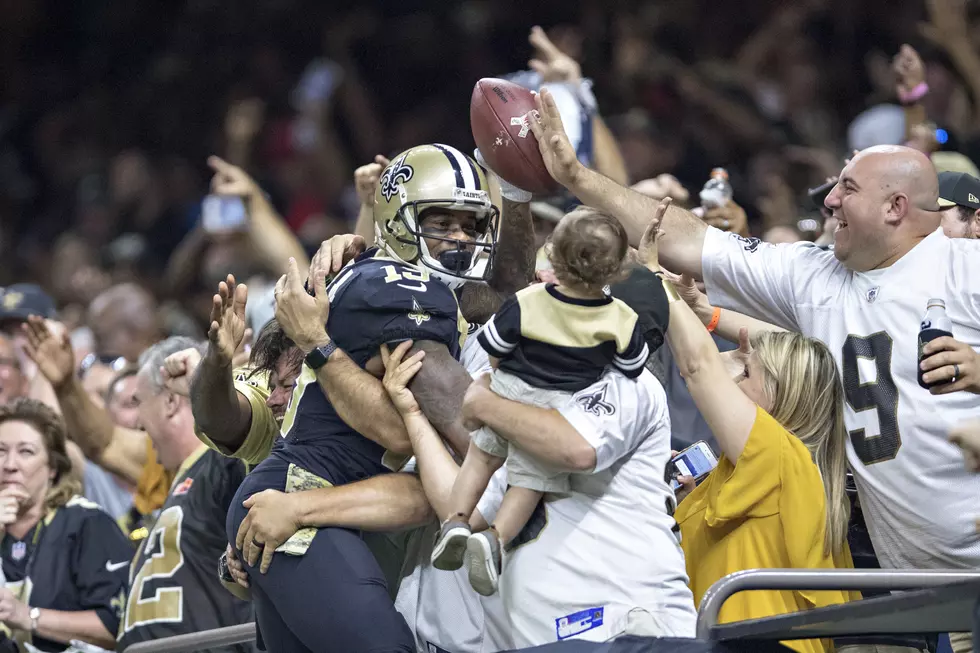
column 508, row 190
column 953, row 363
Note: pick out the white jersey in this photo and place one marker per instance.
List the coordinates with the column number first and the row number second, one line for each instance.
column 440, row 607
column 605, row 556
column 917, row 497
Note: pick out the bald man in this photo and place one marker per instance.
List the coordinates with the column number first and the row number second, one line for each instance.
column 864, row 299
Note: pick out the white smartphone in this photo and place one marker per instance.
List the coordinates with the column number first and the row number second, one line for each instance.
column 223, row 213
column 697, row 460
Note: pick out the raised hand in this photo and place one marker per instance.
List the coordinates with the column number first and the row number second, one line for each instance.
column 556, row 150
column 737, row 360
column 399, row 371
column 551, row 63
column 231, row 180
column 178, row 370
column 909, row 69
column 53, row 355
column 648, row 242
column 227, row 330
column 366, row 179
column 688, row 291
column 303, row 317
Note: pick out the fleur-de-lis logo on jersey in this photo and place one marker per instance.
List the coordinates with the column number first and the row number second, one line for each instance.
column 394, row 175
column 418, row 314
column 595, row 402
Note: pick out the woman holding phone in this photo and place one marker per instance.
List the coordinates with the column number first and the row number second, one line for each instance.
column 776, row 498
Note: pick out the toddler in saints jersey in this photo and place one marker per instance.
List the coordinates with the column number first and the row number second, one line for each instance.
column 546, row 343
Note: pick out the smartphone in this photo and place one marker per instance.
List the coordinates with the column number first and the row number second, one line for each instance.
column 697, row 460
column 223, row 213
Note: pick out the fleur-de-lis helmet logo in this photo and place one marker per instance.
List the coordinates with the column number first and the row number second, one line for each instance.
column 396, row 174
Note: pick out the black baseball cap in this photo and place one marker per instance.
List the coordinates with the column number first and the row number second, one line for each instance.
column 22, row 299
column 643, row 292
column 958, row 189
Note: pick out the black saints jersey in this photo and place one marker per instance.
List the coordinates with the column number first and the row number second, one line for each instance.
column 75, row 559
column 372, row 302
column 174, row 587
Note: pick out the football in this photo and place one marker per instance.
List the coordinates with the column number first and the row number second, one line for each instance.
column 499, row 114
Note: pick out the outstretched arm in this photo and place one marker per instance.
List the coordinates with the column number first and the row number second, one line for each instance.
column 219, row 410
column 680, row 248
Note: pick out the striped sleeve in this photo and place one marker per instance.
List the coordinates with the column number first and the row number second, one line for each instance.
column 502, row 333
column 631, row 362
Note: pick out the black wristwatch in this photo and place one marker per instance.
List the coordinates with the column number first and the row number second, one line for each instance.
column 318, row 357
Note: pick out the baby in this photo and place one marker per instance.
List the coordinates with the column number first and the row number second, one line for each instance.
column 546, row 343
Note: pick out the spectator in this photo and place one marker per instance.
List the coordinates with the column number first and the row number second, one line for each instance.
column 547, row 342
column 959, row 199
column 65, row 561
column 776, row 498
column 614, row 439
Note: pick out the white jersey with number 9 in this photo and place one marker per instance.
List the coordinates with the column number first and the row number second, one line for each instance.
column 919, row 501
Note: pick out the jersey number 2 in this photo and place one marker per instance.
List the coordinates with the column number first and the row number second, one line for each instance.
column 880, row 394
column 165, row 558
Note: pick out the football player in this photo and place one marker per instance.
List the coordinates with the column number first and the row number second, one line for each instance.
column 436, row 229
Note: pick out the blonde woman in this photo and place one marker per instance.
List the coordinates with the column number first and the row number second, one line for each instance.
column 776, row 498
column 65, row 561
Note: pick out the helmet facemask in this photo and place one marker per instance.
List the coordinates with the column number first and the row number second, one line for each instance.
column 467, row 260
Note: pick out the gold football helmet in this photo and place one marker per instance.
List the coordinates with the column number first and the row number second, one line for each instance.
column 427, row 177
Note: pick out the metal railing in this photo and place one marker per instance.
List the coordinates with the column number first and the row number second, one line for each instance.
column 228, row 636
column 714, row 598
column 824, row 579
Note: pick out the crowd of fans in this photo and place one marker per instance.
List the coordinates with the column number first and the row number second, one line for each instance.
column 461, row 440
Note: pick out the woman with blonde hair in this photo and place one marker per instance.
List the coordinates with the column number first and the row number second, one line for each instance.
column 776, row 498
column 65, row 561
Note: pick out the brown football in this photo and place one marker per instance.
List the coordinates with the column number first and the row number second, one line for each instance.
column 499, row 119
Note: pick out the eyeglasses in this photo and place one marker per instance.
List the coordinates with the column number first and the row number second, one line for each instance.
column 116, row 363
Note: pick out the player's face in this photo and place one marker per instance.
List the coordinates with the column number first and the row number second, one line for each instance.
column 445, row 223
column 123, row 406
column 24, row 460
column 858, row 202
column 752, row 383
column 959, row 222
column 282, row 381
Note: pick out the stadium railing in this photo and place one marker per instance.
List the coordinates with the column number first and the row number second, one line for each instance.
column 714, row 598
column 218, row 637
column 886, row 580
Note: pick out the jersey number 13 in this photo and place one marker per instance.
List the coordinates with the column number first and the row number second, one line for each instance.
column 880, row 394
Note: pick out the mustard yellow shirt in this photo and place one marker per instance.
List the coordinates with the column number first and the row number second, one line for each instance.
column 768, row 511
column 264, row 428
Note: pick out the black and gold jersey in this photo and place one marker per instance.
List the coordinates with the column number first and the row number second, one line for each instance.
column 174, row 586
column 75, row 559
column 551, row 340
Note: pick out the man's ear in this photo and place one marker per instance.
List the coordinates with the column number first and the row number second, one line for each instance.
column 898, row 208
column 171, row 403
column 975, row 224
